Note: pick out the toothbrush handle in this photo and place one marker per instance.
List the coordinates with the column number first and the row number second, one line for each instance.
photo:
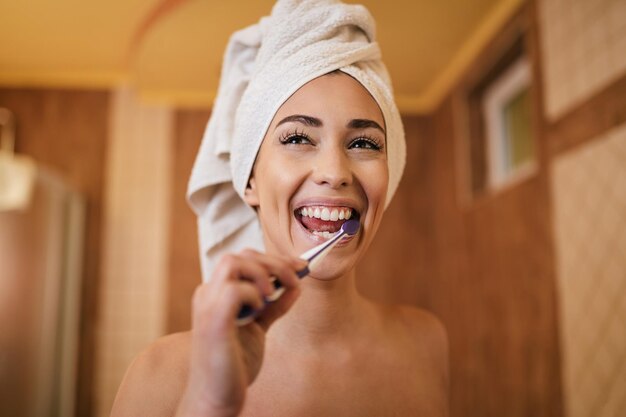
column 247, row 313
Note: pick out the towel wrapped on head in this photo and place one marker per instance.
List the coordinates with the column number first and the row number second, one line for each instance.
column 264, row 65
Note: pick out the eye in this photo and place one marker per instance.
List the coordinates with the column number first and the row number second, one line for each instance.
column 365, row 143
column 295, row 138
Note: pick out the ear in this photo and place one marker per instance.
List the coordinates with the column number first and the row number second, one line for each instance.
column 250, row 195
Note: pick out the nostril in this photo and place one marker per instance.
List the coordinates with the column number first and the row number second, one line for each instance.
column 334, row 173
column 334, row 181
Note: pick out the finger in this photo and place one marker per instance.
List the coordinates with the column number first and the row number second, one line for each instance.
column 215, row 309
column 281, row 267
column 235, row 268
column 296, row 263
column 238, row 294
column 284, row 269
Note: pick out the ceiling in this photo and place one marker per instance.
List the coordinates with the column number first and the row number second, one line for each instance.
column 171, row 50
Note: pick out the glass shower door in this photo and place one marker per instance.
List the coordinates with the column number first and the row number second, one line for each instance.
column 40, row 275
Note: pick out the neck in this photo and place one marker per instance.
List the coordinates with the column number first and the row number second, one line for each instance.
column 326, row 312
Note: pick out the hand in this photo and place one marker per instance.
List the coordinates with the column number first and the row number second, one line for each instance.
column 225, row 358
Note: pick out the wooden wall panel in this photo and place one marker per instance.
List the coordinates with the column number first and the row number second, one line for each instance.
column 67, row 131
column 485, row 267
column 184, row 266
column 486, row 270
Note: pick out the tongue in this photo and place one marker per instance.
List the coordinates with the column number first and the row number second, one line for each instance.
column 320, row 225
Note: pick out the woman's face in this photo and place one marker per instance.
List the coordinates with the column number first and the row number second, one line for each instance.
column 322, row 160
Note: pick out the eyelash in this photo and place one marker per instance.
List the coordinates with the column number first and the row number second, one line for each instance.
column 372, row 143
column 286, row 138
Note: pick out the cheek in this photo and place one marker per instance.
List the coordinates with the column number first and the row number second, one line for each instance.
column 279, row 180
column 277, row 183
column 375, row 180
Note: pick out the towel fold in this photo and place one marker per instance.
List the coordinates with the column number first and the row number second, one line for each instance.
column 264, row 65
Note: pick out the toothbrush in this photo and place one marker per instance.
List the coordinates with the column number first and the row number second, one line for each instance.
column 313, row 257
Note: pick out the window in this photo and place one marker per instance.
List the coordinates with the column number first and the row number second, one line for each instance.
column 507, row 113
column 500, row 147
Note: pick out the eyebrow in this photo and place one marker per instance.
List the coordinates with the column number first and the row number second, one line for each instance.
column 364, row 124
column 315, row 122
column 300, row 118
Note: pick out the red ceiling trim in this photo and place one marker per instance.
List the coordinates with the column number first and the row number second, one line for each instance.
column 161, row 9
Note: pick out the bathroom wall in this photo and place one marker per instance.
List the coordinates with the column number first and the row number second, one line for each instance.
column 135, row 240
column 585, row 95
column 184, row 266
column 583, row 44
column 589, row 186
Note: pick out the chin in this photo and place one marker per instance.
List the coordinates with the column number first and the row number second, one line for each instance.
column 328, row 277
column 339, row 262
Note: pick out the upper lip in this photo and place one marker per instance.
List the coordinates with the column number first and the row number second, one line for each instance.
column 329, row 202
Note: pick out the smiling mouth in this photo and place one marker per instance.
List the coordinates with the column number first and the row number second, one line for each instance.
column 324, row 221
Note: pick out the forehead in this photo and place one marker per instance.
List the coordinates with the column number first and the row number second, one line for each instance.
column 332, row 97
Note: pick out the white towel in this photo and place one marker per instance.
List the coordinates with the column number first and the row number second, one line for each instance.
column 264, row 65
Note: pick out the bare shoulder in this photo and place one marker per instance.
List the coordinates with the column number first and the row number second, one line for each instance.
column 429, row 333
column 422, row 337
column 156, row 379
column 424, row 324
column 421, row 333
column 414, row 323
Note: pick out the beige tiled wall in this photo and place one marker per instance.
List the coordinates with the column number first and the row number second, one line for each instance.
column 131, row 312
column 583, row 46
column 589, row 189
column 584, row 49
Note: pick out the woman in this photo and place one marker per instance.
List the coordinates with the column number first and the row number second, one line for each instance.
column 333, row 149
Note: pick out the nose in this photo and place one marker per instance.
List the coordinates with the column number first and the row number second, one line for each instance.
column 332, row 168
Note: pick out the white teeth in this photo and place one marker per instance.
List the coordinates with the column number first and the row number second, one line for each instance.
column 326, row 214
column 325, row 235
